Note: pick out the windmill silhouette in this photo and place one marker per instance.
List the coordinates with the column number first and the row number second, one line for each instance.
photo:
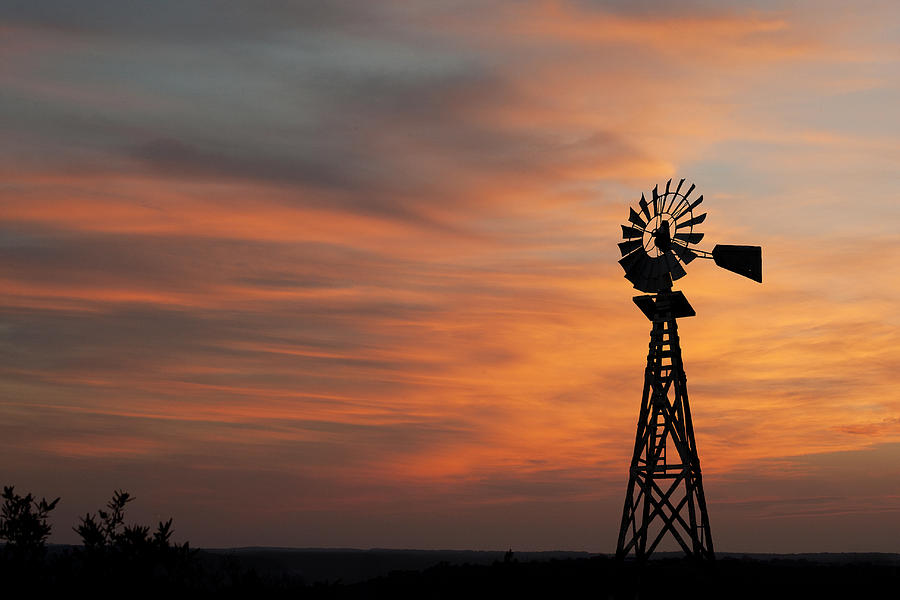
column 665, row 486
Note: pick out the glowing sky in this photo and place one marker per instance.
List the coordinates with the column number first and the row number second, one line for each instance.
column 344, row 273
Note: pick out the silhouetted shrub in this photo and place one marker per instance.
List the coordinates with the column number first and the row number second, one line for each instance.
column 114, row 552
column 24, row 526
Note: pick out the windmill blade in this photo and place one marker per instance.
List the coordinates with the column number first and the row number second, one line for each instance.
column 658, row 278
column 688, row 208
column 655, row 200
column 691, row 222
column 636, row 218
column 690, row 238
column 637, row 266
column 665, row 198
column 675, row 196
column 675, row 268
column 651, row 268
column 644, row 208
column 634, row 280
column 688, row 193
column 685, row 254
column 743, row 260
column 630, row 246
column 633, row 261
column 684, row 199
column 635, row 277
column 657, row 266
column 643, row 283
column 631, row 232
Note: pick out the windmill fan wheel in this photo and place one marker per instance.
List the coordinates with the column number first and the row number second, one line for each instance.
column 658, row 239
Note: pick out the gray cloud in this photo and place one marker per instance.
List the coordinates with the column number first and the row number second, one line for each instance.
column 387, row 122
column 193, row 20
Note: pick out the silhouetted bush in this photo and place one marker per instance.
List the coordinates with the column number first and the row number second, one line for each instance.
column 24, row 526
column 113, row 552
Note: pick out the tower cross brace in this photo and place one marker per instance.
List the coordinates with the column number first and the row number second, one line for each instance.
column 665, row 487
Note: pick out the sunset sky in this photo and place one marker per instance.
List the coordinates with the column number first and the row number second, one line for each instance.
column 344, row 274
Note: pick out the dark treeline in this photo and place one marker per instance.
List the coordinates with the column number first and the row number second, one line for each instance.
column 128, row 560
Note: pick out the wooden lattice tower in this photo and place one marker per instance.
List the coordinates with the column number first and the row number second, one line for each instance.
column 665, row 487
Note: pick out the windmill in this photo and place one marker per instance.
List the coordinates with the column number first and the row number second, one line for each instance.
column 665, row 487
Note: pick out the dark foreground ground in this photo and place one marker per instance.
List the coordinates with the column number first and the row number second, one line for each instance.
column 570, row 575
column 357, row 574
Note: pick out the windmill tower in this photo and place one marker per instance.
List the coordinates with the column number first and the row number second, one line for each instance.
column 665, row 486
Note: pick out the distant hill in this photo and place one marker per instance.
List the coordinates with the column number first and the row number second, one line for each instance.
column 350, row 565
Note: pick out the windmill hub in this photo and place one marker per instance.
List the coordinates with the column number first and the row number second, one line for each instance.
column 657, row 237
column 661, row 237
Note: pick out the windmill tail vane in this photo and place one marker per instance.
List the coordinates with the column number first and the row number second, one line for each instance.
column 665, row 496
